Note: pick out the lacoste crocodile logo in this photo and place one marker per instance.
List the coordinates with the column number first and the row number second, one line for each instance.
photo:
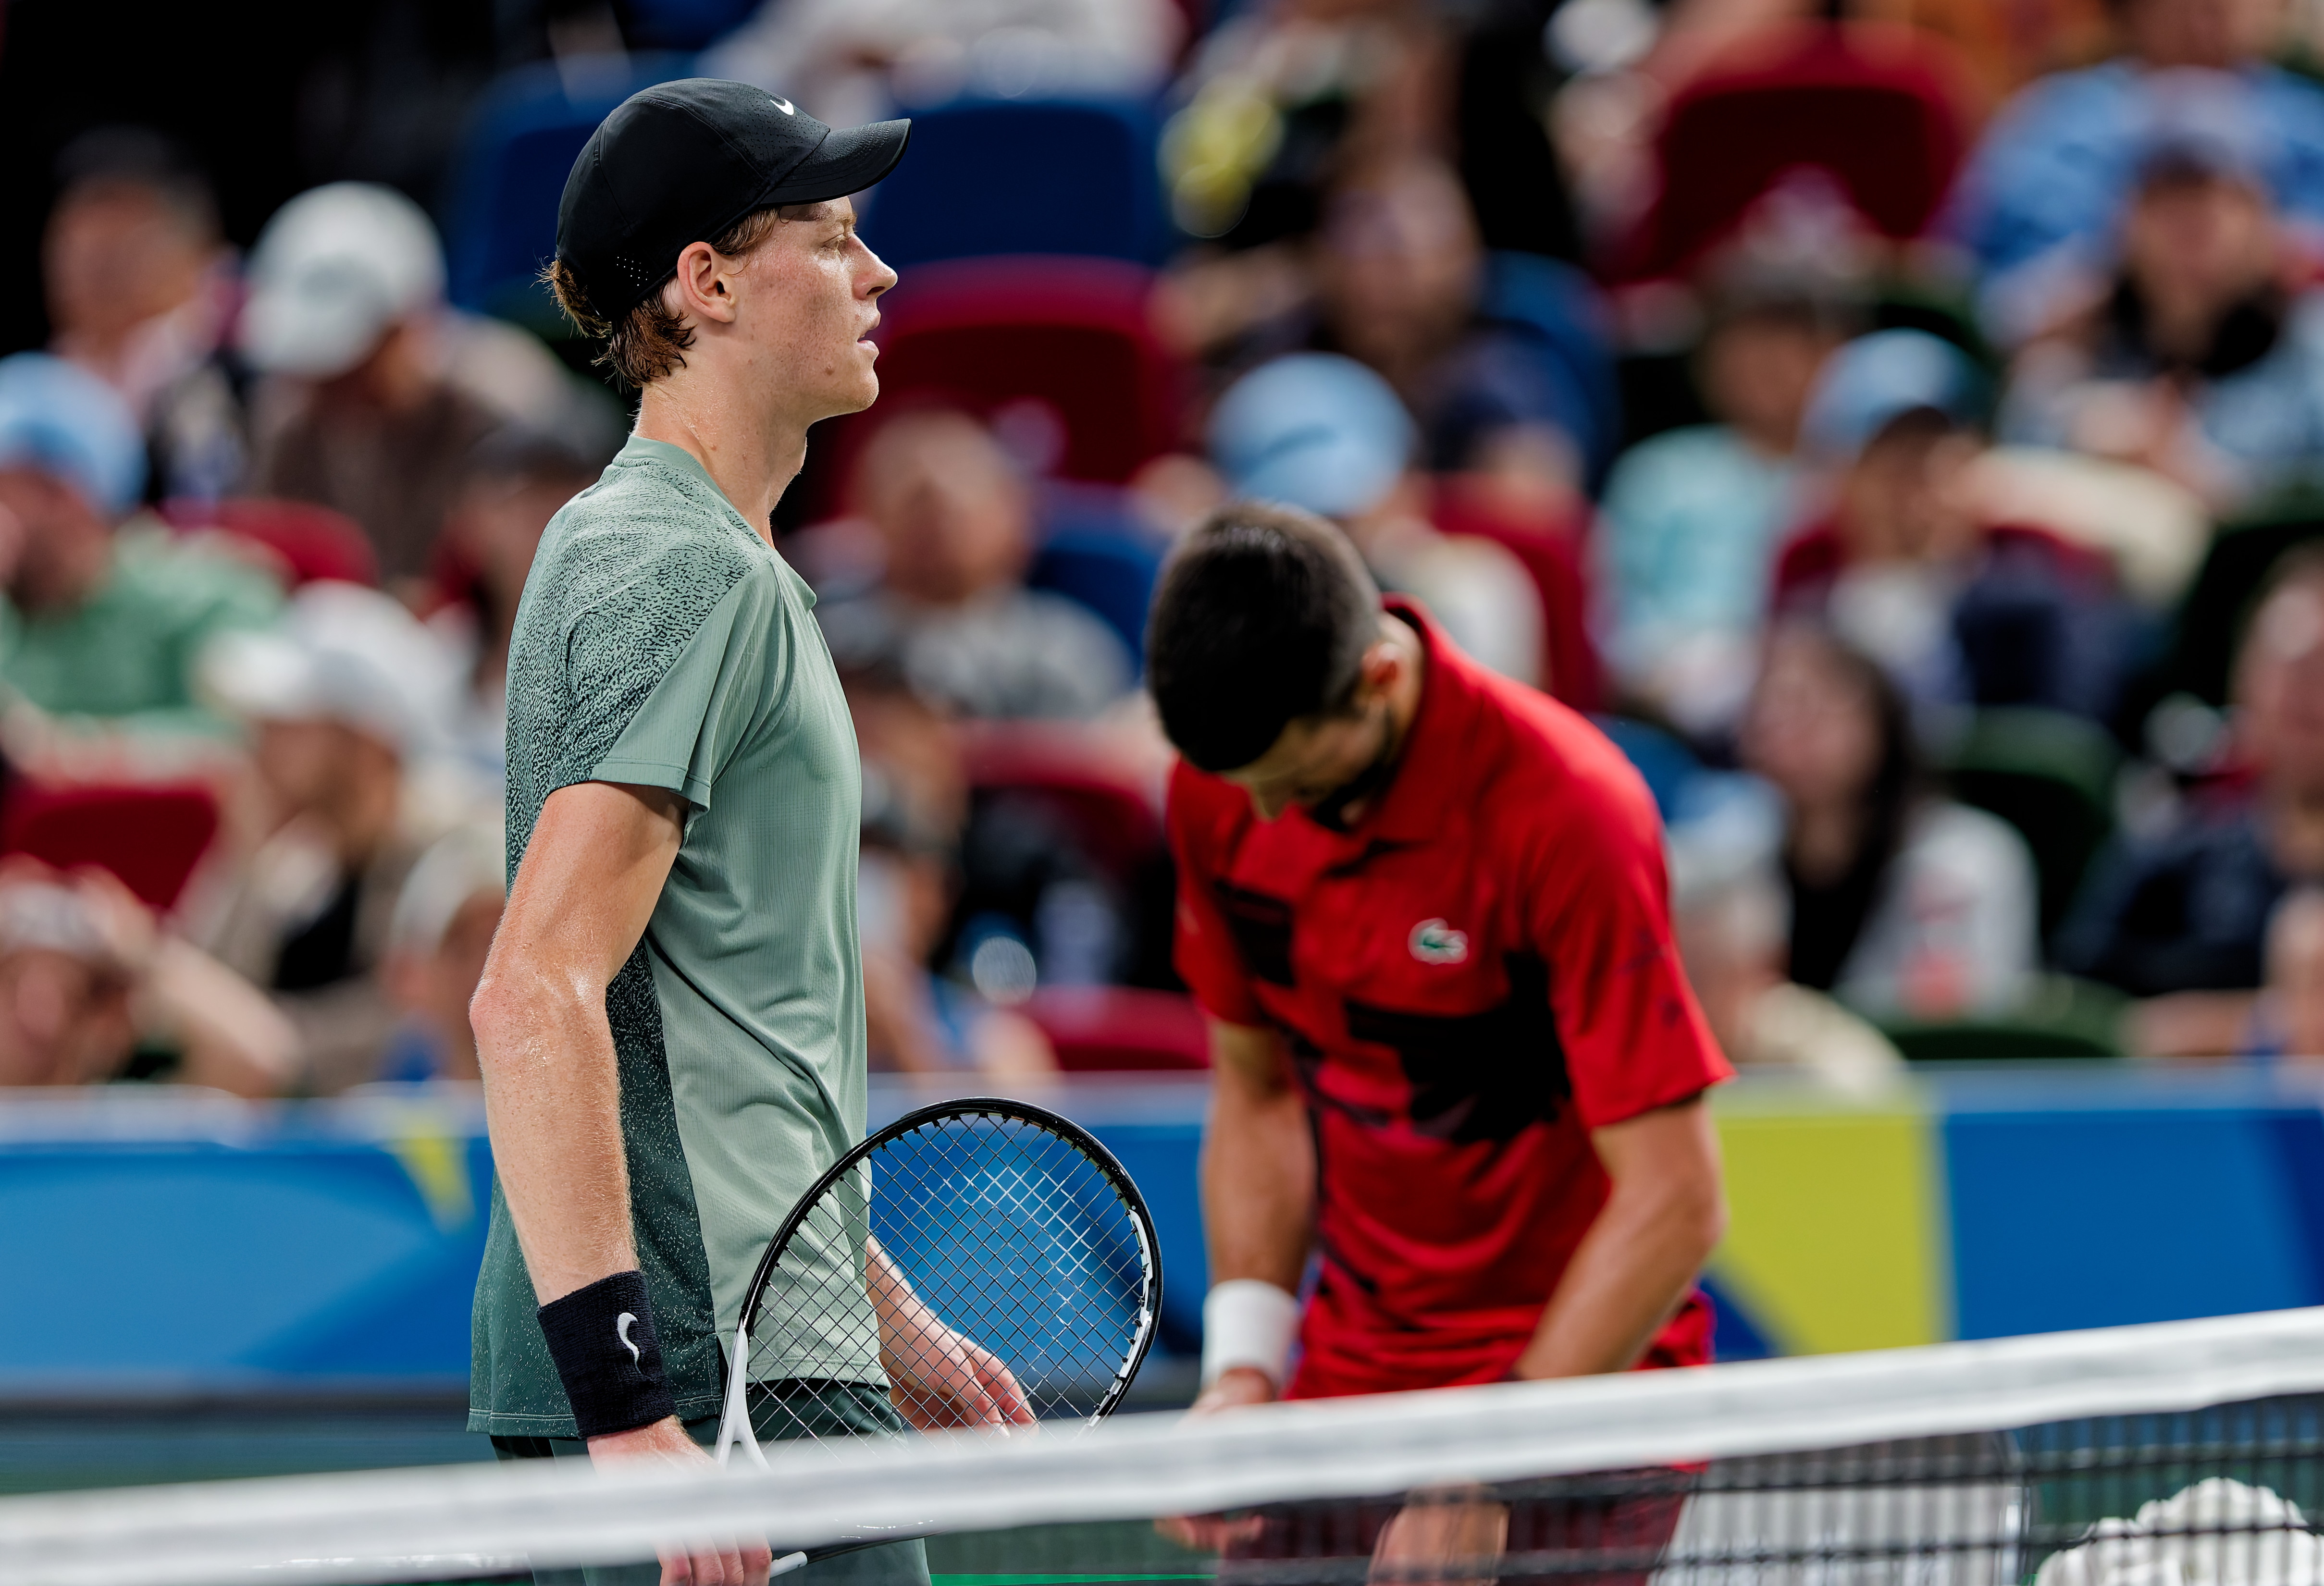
column 1435, row 942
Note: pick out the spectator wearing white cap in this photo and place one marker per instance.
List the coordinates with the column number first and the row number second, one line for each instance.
column 1323, row 432
column 104, row 613
column 346, row 698
column 379, row 391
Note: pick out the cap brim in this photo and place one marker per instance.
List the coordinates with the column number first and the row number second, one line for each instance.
column 847, row 161
column 258, row 675
column 284, row 333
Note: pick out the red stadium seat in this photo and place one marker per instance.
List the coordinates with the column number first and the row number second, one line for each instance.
column 1111, row 813
column 1879, row 111
column 1059, row 351
column 1546, row 546
column 151, row 836
column 304, row 541
column 1110, row 1030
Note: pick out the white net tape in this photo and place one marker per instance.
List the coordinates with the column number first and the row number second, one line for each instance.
column 420, row 1523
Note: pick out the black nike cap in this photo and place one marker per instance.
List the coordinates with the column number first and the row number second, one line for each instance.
column 679, row 162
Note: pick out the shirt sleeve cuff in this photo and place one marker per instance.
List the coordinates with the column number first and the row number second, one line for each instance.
column 653, row 773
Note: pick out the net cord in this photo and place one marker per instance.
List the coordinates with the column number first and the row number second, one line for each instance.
column 563, row 1513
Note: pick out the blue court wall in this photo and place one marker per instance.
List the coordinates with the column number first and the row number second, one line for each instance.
column 199, row 1241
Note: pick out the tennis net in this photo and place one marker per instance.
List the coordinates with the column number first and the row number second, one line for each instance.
column 2180, row 1454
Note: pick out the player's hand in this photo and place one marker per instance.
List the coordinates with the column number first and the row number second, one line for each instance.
column 1237, row 1387
column 726, row 1563
column 941, row 1380
column 1439, row 1538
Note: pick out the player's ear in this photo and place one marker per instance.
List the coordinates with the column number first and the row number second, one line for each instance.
column 1382, row 666
column 701, row 288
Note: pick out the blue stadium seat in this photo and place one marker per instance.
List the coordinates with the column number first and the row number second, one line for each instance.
column 1560, row 310
column 1081, row 180
column 500, row 222
column 1094, row 551
column 682, row 24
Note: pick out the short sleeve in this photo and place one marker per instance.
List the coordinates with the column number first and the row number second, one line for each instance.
column 1204, row 948
column 1634, row 1038
column 720, row 683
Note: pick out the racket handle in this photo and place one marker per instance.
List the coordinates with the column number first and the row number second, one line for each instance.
column 787, row 1564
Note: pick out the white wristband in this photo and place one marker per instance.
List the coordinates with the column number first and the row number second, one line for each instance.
column 1247, row 1322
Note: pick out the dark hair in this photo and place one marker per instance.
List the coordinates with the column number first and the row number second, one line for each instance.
column 1262, row 616
column 1898, row 781
column 114, row 157
column 650, row 340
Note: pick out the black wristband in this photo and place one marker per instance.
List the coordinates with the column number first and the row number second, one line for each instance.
column 602, row 1338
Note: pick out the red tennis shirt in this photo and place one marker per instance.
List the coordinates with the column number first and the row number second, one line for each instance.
column 1470, row 979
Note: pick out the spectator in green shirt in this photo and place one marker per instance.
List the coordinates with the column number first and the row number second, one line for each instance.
column 104, row 612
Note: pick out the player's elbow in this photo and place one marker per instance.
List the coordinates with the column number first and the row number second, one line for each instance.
column 509, row 1000
column 1693, row 1213
column 1705, row 1219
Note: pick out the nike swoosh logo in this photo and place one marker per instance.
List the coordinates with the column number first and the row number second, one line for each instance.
column 621, row 1326
column 782, row 104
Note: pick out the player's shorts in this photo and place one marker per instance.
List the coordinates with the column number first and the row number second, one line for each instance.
column 1610, row 1531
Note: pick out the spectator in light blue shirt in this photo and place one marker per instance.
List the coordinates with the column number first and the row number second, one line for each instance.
column 1693, row 518
column 2054, row 167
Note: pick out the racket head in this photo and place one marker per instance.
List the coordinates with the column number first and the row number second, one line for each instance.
column 1015, row 1227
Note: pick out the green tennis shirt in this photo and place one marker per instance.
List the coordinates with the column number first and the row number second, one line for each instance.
column 661, row 642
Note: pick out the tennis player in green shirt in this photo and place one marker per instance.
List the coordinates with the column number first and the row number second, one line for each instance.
column 670, row 1025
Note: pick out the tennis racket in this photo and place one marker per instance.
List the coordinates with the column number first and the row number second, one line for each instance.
column 986, row 1262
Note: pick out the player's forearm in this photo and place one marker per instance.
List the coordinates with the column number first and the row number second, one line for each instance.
column 1661, row 1221
column 552, row 1101
column 1632, row 1270
column 1258, row 1184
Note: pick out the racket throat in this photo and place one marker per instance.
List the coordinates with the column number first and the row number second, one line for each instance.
column 734, row 1419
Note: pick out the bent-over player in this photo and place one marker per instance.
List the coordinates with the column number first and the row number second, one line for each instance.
column 1456, row 1060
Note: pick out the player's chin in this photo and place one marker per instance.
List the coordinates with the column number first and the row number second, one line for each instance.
column 860, row 393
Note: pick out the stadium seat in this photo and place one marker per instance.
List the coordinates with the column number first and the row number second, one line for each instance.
column 1094, row 551
column 304, row 541
column 1103, row 1029
column 1561, row 309
column 151, row 836
column 1058, row 354
column 2211, row 616
column 499, row 226
column 682, row 24
column 1117, row 819
column 1661, row 758
column 1545, row 545
column 1083, row 181
column 2051, row 776
column 1876, row 112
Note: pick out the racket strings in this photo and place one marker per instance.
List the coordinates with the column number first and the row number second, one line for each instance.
column 1027, row 1286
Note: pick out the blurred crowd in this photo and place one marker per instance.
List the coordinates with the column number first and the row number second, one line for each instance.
column 1899, row 422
